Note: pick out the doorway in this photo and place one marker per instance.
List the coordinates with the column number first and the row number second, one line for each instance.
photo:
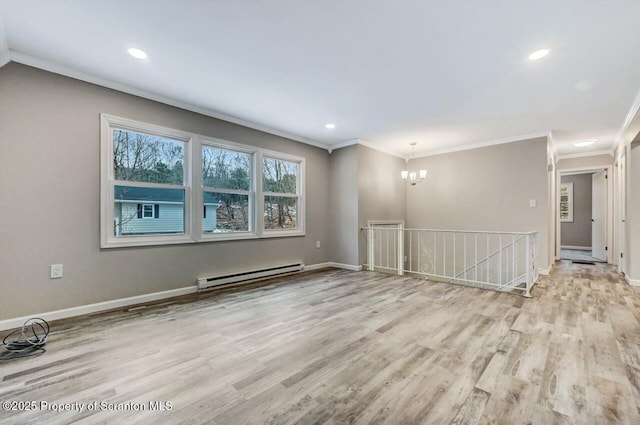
column 583, row 215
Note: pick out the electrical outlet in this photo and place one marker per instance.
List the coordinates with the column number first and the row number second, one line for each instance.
column 317, row 244
column 56, row 271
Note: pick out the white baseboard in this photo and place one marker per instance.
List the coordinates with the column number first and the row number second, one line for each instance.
column 316, row 266
column 346, row 267
column 545, row 272
column 138, row 299
column 632, row 282
column 579, row 248
column 335, row 265
column 94, row 308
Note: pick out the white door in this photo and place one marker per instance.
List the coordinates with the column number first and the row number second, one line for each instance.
column 622, row 261
column 599, row 216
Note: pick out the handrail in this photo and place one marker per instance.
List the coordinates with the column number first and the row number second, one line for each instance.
column 503, row 261
column 532, row 232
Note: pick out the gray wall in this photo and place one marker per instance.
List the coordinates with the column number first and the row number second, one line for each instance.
column 343, row 200
column 365, row 185
column 578, row 232
column 381, row 192
column 485, row 189
column 49, row 187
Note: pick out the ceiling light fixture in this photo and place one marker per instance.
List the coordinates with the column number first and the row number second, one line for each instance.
column 584, row 143
column 137, row 53
column 538, row 54
column 411, row 177
column 330, row 126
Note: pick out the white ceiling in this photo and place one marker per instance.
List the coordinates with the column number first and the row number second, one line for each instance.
column 446, row 74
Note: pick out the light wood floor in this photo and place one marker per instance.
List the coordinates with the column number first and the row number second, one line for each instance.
column 336, row 347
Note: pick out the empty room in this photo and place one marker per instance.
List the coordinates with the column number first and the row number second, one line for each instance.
column 319, row 212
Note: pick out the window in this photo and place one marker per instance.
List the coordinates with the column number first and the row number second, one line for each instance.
column 566, row 202
column 280, row 183
column 152, row 195
column 227, row 189
column 147, row 210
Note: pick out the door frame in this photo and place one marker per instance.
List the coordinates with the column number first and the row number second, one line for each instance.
column 608, row 209
column 620, row 211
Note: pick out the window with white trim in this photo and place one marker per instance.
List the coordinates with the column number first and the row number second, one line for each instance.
column 147, row 210
column 280, row 186
column 227, row 184
column 152, row 195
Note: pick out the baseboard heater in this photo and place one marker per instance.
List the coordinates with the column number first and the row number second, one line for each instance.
column 249, row 276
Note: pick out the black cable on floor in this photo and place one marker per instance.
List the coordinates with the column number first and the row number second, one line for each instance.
column 33, row 337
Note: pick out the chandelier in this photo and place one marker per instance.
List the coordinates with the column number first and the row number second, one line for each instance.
column 410, row 176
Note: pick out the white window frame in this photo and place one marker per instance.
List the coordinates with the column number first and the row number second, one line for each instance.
column 230, row 146
column 107, row 183
column 153, row 208
column 569, row 188
column 192, row 186
column 300, row 183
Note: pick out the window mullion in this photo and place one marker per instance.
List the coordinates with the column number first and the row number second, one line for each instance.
column 259, row 197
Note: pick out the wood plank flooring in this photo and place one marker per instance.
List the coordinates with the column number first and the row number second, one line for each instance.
column 338, row 347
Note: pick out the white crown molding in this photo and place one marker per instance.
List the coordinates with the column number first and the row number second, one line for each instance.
column 4, row 42
column 344, row 144
column 633, row 110
column 362, row 142
column 5, row 58
column 78, row 75
column 514, row 139
column 374, row 147
column 585, row 154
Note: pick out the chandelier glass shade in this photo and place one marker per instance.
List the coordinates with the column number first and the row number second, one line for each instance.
column 410, row 176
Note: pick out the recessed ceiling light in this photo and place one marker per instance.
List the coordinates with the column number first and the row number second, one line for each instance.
column 585, row 142
column 538, row 54
column 137, row 53
column 330, row 126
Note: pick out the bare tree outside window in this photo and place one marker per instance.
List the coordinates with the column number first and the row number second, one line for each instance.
column 146, row 158
column 226, row 175
column 280, row 179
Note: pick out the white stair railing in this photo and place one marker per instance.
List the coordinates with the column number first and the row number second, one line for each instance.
column 502, row 261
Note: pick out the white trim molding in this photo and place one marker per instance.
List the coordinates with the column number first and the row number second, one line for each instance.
column 579, row 248
column 138, row 299
column 98, row 307
column 632, row 282
column 317, row 266
column 503, row 141
column 331, row 264
column 362, row 142
column 5, row 58
column 351, row 267
column 608, row 152
column 78, row 75
column 633, row 110
column 545, row 272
